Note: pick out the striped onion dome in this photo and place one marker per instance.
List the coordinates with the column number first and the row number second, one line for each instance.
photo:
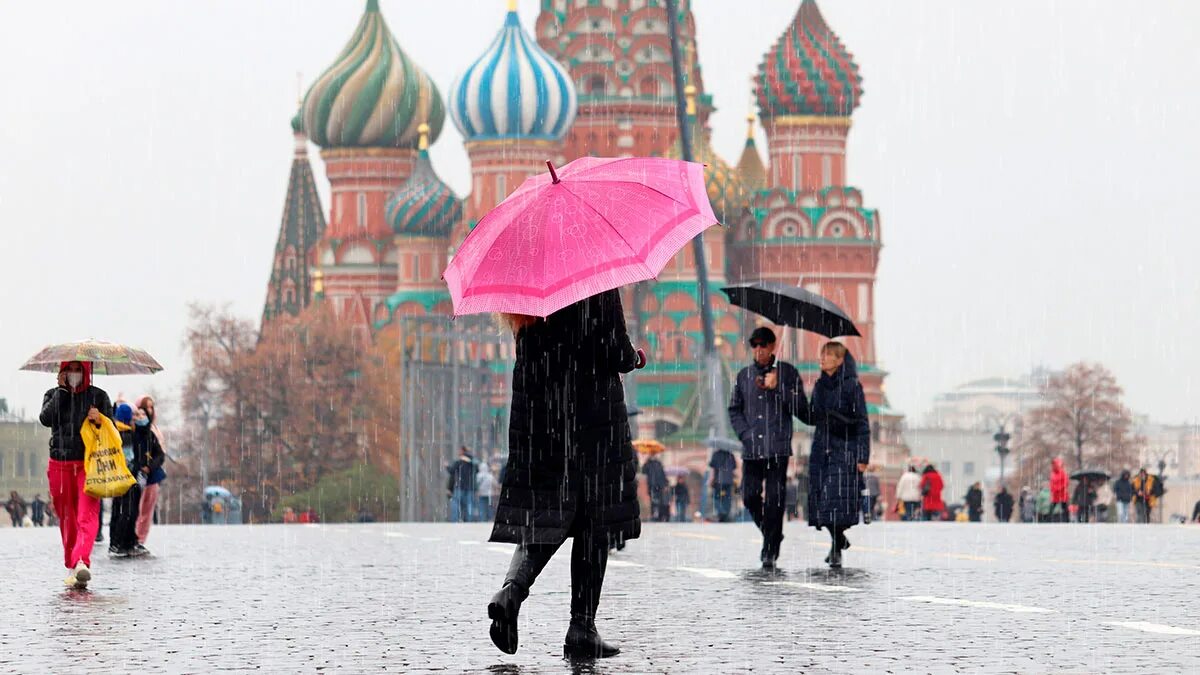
column 424, row 206
column 808, row 71
column 373, row 95
column 514, row 90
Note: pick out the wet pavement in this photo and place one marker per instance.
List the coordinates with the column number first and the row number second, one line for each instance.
column 919, row 597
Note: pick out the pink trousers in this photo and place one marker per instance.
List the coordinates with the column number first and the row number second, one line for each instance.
column 146, row 512
column 78, row 514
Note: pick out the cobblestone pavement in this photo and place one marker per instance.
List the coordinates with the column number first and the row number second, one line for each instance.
column 685, row 598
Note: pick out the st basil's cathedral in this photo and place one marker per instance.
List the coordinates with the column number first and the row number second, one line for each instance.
column 593, row 78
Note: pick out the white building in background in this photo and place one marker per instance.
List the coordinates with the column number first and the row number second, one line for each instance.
column 1177, row 445
column 982, row 405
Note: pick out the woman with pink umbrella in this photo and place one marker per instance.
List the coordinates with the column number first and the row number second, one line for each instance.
column 549, row 258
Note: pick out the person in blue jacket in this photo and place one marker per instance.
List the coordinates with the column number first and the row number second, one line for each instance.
column 841, row 448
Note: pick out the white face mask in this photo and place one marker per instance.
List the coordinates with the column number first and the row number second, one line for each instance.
column 74, row 379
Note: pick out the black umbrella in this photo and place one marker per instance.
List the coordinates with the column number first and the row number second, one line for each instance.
column 1090, row 474
column 792, row 306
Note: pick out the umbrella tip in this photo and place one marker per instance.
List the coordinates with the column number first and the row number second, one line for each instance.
column 553, row 173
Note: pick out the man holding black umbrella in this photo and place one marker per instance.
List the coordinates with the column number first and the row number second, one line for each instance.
column 766, row 395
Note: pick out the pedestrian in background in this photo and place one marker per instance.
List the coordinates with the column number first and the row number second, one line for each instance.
column 485, row 485
column 1144, row 494
column 65, row 408
column 871, row 493
column 723, row 465
column 908, row 493
column 1196, row 512
column 1059, row 499
column 37, row 508
column 571, row 469
column 1045, row 508
column 460, row 487
column 1027, row 505
column 974, row 501
column 656, row 487
column 1003, row 505
column 841, row 448
column 682, row 500
column 1084, row 499
column 16, row 508
column 122, row 524
column 1123, row 492
column 156, row 475
column 791, row 503
column 932, row 484
column 767, row 394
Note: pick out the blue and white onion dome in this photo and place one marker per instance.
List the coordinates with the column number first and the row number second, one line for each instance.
column 514, row 90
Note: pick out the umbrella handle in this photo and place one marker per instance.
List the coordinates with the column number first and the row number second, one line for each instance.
column 553, row 173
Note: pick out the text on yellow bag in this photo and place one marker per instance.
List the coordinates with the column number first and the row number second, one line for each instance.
column 104, row 461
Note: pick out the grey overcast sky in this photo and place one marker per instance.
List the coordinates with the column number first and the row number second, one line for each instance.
column 1034, row 162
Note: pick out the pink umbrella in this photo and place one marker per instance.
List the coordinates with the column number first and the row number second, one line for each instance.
column 594, row 225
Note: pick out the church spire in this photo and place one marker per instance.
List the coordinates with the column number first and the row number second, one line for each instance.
column 290, row 288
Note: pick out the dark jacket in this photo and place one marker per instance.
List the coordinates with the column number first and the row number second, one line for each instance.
column 147, row 452
column 64, row 412
column 681, row 493
column 974, row 499
column 462, row 475
column 723, row 464
column 1003, row 504
column 1123, row 490
column 762, row 418
column 570, row 457
column 841, row 441
column 656, row 476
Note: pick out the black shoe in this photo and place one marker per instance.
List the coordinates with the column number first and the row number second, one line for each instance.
column 835, row 559
column 768, row 562
column 503, row 610
column 139, row 551
column 845, row 542
column 584, row 641
column 115, row 552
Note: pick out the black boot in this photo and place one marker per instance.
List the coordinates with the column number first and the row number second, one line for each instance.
column 527, row 563
column 588, row 564
column 503, row 610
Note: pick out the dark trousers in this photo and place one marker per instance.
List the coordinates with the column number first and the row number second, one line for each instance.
column 122, row 522
column 764, row 492
column 589, row 560
column 912, row 510
column 1143, row 511
column 723, row 501
column 974, row 516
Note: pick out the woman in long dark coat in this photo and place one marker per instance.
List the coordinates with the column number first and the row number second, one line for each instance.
column 571, row 469
column 841, row 448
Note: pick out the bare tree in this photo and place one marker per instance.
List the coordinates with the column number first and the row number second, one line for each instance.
column 1083, row 420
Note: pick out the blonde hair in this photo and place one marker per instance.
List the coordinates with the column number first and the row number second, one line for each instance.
column 838, row 349
column 516, row 322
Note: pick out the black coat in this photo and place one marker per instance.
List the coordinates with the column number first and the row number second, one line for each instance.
column 974, row 500
column 841, row 441
column 64, row 412
column 1004, row 506
column 462, row 476
column 147, row 451
column 723, row 464
column 570, row 459
column 762, row 418
column 1123, row 490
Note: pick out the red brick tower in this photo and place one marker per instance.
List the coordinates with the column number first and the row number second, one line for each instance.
column 808, row 227
column 619, row 54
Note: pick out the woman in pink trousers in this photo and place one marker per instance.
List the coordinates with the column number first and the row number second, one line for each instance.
column 155, row 478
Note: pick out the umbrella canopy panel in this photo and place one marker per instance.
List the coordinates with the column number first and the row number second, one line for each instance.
column 107, row 358
column 793, row 306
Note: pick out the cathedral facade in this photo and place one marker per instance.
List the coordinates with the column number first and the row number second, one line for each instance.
column 593, row 77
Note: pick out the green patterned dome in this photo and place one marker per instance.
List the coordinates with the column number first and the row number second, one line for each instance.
column 298, row 122
column 373, row 95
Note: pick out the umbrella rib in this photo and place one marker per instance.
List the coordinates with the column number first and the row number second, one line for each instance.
column 628, row 245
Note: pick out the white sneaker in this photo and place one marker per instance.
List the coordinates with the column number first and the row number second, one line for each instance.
column 82, row 574
column 70, row 581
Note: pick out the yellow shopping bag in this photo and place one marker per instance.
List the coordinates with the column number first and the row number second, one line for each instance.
column 104, row 461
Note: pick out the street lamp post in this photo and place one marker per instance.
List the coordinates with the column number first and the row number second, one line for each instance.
column 1002, row 437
